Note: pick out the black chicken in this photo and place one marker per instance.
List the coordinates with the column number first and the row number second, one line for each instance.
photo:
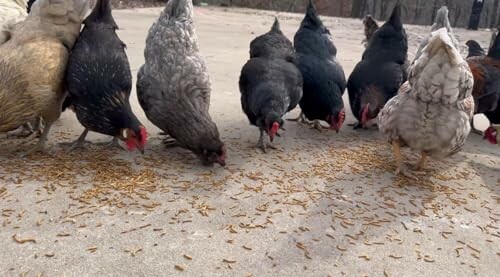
column 270, row 83
column 475, row 49
column 382, row 70
column 486, row 92
column 99, row 81
column 324, row 78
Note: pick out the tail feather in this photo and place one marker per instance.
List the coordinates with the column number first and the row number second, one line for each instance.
column 101, row 14
column 276, row 26
column 494, row 51
column 312, row 17
column 179, row 9
column 442, row 20
column 395, row 19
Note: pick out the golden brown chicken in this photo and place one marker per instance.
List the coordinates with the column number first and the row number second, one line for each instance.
column 33, row 64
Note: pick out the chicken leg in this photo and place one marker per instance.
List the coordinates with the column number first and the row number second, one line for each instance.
column 317, row 125
column 420, row 165
column 114, row 143
column 400, row 167
column 300, row 119
column 40, row 146
column 79, row 143
column 262, row 144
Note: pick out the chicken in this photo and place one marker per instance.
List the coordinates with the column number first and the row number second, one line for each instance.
column 270, row 83
column 486, row 72
column 370, row 27
column 475, row 49
column 432, row 111
column 11, row 12
column 29, row 92
column 324, row 78
column 380, row 73
column 99, row 81
column 173, row 85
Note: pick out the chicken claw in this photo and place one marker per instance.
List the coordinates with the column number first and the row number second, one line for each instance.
column 300, row 119
column 262, row 144
column 420, row 165
column 317, row 125
column 25, row 131
column 400, row 167
column 170, row 142
column 111, row 144
column 79, row 143
column 40, row 146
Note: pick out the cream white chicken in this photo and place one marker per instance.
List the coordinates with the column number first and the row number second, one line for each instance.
column 11, row 12
column 431, row 112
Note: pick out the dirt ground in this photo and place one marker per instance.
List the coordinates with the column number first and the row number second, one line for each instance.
column 323, row 204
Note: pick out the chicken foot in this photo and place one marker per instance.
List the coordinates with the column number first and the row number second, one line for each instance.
column 114, row 143
column 79, row 143
column 420, row 165
column 300, row 119
column 317, row 125
column 40, row 146
column 170, row 142
column 400, row 167
column 262, row 144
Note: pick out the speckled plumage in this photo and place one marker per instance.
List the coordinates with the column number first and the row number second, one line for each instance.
column 33, row 64
column 432, row 111
column 173, row 85
column 99, row 80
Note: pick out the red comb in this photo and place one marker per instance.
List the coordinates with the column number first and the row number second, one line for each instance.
column 275, row 128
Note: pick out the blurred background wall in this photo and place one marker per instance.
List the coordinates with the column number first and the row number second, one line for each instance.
column 414, row 11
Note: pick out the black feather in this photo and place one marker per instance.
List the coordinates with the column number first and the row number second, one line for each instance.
column 494, row 51
column 98, row 78
column 270, row 82
column 382, row 70
column 324, row 78
column 29, row 4
column 273, row 44
column 475, row 49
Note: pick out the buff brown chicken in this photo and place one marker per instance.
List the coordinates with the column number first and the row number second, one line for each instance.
column 33, row 64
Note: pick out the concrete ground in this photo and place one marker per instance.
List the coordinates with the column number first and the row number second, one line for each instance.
column 323, row 204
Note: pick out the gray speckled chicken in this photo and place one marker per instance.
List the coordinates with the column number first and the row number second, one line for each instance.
column 173, row 85
column 431, row 112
